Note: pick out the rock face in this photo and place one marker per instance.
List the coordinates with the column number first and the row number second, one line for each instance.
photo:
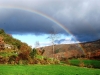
column 1, row 43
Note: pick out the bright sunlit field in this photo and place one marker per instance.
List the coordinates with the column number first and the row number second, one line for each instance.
column 46, row 70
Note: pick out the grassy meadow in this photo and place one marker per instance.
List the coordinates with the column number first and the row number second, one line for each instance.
column 46, row 70
column 87, row 63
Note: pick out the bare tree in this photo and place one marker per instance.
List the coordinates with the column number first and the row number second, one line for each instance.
column 53, row 37
column 37, row 44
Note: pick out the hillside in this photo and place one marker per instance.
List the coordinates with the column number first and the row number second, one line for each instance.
column 13, row 51
column 86, row 50
column 10, row 41
column 10, row 46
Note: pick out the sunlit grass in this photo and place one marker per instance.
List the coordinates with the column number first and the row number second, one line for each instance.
column 46, row 70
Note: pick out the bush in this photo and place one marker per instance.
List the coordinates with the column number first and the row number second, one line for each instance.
column 56, row 61
column 82, row 64
column 89, row 66
column 67, row 62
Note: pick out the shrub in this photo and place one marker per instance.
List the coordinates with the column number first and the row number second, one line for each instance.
column 89, row 66
column 67, row 62
column 20, row 62
column 56, row 61
column 82, row 64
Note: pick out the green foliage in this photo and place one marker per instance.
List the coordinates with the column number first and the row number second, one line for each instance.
column 7, row 54
column 39, row 57
column 12, row 59
column 33, row 53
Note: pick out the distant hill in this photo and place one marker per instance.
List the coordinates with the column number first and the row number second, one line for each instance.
column 88, row 49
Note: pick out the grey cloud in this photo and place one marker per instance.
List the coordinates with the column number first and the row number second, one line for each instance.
column 80, row 17
column 22, row 22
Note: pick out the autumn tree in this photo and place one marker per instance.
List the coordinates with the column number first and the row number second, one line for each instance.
column 24, row 51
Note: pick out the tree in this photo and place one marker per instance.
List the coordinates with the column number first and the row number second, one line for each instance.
column 33, row 53
column 37, row 44
column 53, row 37
column 2, row 31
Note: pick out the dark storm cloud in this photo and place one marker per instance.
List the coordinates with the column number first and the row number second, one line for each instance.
column 23, row 22
column 80, row 17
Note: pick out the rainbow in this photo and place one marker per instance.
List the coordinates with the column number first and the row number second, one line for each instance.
column 47, row 17
column 43, row 15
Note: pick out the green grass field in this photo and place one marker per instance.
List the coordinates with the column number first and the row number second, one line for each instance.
column 93, row 63
column 46, row 70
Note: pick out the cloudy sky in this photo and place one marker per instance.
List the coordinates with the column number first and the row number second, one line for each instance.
column 34, row 20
